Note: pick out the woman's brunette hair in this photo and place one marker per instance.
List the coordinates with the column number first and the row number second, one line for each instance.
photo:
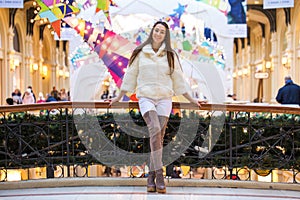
column 168, row 48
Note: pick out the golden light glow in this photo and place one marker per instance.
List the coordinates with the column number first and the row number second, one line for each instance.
column 45, row 70
column 234, row 75
column 268, row 64
column 16, row 62
column 13, row 175
column 240, row 73
column 259, row 68
column 285, row 61
column 67, row 74
column 60, row 72
column 35, row 67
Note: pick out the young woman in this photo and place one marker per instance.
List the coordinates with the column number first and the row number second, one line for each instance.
column 155, row 75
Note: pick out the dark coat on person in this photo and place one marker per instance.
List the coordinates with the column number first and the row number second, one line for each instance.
column 289, row 94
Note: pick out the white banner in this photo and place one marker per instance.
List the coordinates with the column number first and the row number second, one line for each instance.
column 269, row 4
column 11, row 4
column 236, row 30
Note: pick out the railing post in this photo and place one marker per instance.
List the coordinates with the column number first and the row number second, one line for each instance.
column 230, row 168
column 67, row 142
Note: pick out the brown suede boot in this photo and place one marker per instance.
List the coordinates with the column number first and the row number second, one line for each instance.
column 160, row 184
column 151, row 187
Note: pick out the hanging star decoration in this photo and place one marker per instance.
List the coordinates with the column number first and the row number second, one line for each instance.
column 55, row 11
column 206, row 51
column 177, row 15
column 113, row 49
column 104, row 6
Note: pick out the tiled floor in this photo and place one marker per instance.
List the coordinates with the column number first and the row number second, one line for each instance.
column 139, row 193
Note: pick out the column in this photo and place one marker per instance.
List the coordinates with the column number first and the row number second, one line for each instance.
column 291, row 54
column 10, row 56
column 276, row 78
column 28, row 61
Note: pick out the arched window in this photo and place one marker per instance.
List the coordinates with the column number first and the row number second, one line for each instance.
column 16, row 41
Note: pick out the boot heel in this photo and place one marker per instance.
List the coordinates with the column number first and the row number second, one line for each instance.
column 151, row 189
column 161, row 190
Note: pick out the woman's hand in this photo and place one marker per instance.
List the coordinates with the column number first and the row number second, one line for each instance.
column 113, row 100
column 198, row 102
column 194, row 101
column 116, row 99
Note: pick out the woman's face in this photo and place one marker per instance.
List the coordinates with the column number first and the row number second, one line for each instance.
column 159, row 34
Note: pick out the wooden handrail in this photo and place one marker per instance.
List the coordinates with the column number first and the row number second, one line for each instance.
column 176, row 105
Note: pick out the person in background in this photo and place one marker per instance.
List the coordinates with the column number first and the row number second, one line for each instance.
column 63, row 95
column 28, row 97
column 289, row 93
column 41, row 98
column 155, row 75
column 54, row 93
column 30, row 87
column 105, row 94
column 50, row 98
column 9, row 101
column 177, row 172
column 17, row 96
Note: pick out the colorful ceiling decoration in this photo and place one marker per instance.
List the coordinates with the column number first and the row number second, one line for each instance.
column 55, row 11
column 113, row 49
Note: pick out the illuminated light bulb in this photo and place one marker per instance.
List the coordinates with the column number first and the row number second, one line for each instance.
column 34, row 3
column 240, row 73
column 114, row 58
column 60, row 72
column 120, row 64
column 98, row 41
column 32, row 20
column 38, row 8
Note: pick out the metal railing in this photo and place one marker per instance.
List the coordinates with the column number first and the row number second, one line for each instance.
column 229, row 137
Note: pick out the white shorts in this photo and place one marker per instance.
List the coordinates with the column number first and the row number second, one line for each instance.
column 163, row 107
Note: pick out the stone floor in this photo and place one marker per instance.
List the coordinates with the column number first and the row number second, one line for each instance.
column 129, row 188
